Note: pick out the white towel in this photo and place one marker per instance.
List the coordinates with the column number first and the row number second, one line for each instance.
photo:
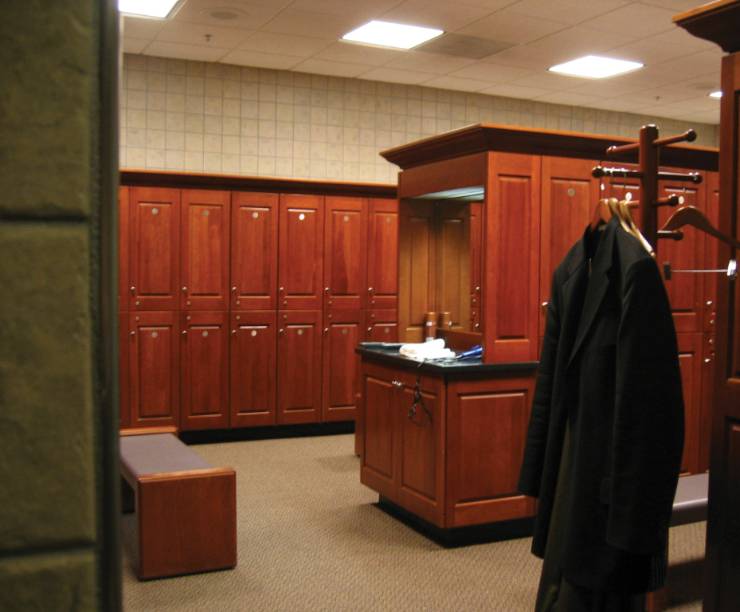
column 434, row 349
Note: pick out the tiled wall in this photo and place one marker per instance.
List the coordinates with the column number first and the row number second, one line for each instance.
column 206, row 117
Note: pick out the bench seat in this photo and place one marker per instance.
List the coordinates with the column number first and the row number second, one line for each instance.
column 186, row 509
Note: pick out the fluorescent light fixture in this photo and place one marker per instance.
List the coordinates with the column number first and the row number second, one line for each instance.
column 147, row 8
column 716, row 94
column 388, row 34
column 595, row 67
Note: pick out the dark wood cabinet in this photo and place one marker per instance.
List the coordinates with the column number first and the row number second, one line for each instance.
column 341, row 366
column 301, row 245
column 345, row 253
column 154, row 248
column 204, row 271
column 299, row 367
column 452, row 264
column 711, row 257
column 254, row 253
column 253, row 368
column 124, row 283
column 476, row 263
column 154, row 368
column 204, row 379
column 381, row 325
column 512, row 238
column 382, row 254
column 124, row 397
column 690, row 362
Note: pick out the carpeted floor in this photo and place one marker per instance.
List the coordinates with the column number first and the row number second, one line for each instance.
column 311, row 538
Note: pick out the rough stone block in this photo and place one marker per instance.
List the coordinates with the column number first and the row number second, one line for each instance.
column 48, row 63
column 47, row 454
column 59, row 581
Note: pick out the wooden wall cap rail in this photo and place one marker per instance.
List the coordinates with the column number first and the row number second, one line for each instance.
column 492, row 137
column 717, row 22
column 189, row 180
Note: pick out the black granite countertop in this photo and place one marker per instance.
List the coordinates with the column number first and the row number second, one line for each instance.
column 443, row 367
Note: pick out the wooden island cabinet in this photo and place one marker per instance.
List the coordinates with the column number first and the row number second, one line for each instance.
column 486, row 214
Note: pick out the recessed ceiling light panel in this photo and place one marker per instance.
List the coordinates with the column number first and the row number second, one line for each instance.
column 394, row 35
column 716, row 94
column 595, row 67
column 158, row 9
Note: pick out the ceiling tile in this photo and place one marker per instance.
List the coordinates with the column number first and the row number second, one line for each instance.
column 340, row 69
column 567, row 11
column 455, row 83
column 428, row 62
column 548, row 81
column 261, row 60
column 284, row 44
column 649, row 52
column 249, row 15
column 704, row 63
column 576, row 42
column 514, row 91
column 133, row 45
column 521, row 56
column 392, row 75
column 292, row 21
column 492, row 73
column 635, row 20
column 201, row 53
column 358, row 54
column 366, row 9
column 491, row 5
column 141, row 28
column 508, row 26
column 197, row 33
column 442, row 14
column 679, row 36
column 677, row 6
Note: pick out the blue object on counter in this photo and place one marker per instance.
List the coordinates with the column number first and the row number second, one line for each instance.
column 474, row 353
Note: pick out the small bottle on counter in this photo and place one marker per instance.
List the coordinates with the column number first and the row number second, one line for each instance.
column 445, row 320
column 430, row 326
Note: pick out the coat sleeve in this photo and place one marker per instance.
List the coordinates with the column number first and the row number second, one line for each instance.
column 534, row 453
column 648, row 430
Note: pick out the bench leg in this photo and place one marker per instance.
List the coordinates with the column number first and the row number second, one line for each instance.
column 128, row 501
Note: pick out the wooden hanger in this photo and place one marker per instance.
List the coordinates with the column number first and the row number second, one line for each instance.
column 602, row 214
column 690, row 215
column 629, row 225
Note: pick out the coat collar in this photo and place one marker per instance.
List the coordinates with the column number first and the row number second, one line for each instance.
column 598, row 282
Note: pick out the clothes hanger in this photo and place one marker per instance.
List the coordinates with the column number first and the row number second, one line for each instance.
column 629, row 225
column 690, row 215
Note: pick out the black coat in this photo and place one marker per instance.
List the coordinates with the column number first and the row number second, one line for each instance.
column 609, row 367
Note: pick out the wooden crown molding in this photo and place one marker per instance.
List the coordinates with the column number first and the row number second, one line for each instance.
column 717, row 22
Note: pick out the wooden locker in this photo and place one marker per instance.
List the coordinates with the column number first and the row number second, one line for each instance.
column 341, row 365
column 124, row 397
column 124, row 283
column 300, row 246
column 154, row 248
column 476, row 263
column 512, row 238
column 253, row 368
column 254, row 251
column 711, row 257
column 382, row 254
column 204, row 380
column 685, row 291
column 690, row 362
column 299, row 367
column 452, row 264
column 154, row 368
column 205, row 250
column 345, row 253
column 569, row 198
column 381, row 325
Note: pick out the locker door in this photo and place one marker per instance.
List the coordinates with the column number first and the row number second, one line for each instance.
column 382, row 254
column 344, row 253
column 341, row 369
column 299, row 367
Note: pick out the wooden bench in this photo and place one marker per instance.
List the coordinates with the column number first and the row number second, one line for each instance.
column 689, row 506
column 186, row 509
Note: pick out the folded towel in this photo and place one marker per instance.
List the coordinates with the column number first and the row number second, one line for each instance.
column 434, row 349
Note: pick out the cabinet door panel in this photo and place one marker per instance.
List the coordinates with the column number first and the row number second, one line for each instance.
column 124, row 282
column 341, row 365
column 685, row 291
column 205, row 376
column 253, row 368
column 569, row 196
column 379, row 430
column 154, row 248
column 452, row 262
column 512, row 237
column 254, row 251
column 476, row 255
column 301, row 248
column 124, row 401
column 381, row 326
column 299, row 367
column 344, row 252
column 154, row 368
column 382, row 250
column 205, row 250
column 711, row 256
column 689, row 359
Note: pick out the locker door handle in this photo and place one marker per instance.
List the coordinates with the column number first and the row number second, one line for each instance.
column 233, row 331
column 397, row 383
column 184, row 332
column 233, row 289
column 132, row 289
column 132, row 333
column 184, row 289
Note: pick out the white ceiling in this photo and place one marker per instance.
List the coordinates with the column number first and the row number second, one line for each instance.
column 302, row 35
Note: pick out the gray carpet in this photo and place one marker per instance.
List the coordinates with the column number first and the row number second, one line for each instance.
column 311, row 538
